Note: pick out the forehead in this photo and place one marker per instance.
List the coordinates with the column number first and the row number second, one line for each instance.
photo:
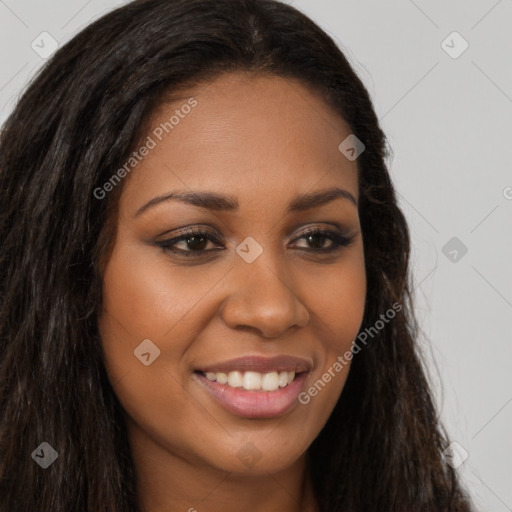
column 254, row 136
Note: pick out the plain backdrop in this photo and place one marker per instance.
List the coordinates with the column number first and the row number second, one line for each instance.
column 440, row 76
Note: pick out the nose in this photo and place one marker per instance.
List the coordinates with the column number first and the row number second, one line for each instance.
column 262, row 298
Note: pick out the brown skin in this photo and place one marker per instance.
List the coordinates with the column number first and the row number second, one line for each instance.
column 262, row 140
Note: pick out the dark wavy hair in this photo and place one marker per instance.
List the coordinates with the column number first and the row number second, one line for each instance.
column 78, row 121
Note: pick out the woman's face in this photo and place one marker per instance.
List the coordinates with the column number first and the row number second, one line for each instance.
column 248, row 156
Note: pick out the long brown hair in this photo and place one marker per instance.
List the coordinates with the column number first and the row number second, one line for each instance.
column 381, row 449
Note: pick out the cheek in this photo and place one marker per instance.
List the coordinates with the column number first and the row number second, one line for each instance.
column 337, row 297
column 139, row 304
column 149, row 297
column 338, row 302
column 144, row 300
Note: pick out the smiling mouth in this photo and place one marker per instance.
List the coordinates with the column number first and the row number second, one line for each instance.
column 252, row 394
column 252, row 381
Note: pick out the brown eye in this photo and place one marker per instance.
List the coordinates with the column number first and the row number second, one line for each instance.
column 316, row 239
column 194, row 243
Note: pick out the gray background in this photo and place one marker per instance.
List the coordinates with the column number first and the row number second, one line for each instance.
column 448, row 121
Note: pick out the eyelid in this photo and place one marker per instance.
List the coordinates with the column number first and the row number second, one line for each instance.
column 194, row 229
column 322, row 226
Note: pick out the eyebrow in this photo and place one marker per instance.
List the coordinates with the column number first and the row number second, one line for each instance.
column 221, row 202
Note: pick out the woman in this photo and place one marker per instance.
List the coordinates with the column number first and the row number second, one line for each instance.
column 204, row 275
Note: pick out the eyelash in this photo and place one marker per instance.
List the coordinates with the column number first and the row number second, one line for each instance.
column 337, row 239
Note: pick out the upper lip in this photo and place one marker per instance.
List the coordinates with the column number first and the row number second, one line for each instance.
column 260, row 364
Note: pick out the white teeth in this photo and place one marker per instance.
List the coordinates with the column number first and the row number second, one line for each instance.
column 235, row 379
column 253, row 380
column 270, row 381
column 222, row 378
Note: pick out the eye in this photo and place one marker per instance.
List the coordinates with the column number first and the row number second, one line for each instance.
column 195, row 242
column 317, row 238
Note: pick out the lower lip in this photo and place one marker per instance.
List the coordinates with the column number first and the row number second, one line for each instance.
column 254, row 404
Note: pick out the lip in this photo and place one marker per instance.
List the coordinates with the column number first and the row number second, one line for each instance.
column 254, row 404
column 261, row 364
